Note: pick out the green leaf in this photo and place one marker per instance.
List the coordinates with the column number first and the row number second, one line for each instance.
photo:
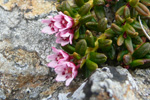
column 81, row 47
column 92, row 66
column 98, row 58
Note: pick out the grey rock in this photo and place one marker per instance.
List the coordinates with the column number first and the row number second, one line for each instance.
column 142, row 79
column 108, row 83
column 2, row 95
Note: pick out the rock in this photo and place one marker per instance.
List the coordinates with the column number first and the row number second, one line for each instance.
column 2, row 95
column 30, row 8
column 142, row 79
column 108, row 83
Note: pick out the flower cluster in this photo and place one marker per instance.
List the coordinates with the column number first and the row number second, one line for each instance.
column 61, row 24
column 64, row 68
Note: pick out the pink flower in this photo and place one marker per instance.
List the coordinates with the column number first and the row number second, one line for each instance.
column 66, row 71
column 59, row 55
column 63, row 21
column 64, row 37
column 50, row 28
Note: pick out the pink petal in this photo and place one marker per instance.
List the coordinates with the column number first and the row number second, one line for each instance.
column 71, row 38
column 62, row 29
column 58, row 24
column 52, row 64
column 68, row 81
column 52, row 57
column 74, row 74
column 46, row 21
column 62, row 42
column 64, row 34
column 60, row 13
column 48, row 30
column 58, row 17
column 60, row 78
column 64, row 54
column 70, row 21
column 55, row 50
column 60, row 68
column 51, row 17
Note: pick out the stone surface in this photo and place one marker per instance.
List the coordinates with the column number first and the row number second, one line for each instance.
column 24, row 49
column 142, row 79
column 30, row 8
column 113, row 83
column 108, row 83
column 23, row 71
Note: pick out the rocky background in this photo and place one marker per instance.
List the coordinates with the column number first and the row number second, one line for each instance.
column 23, row 71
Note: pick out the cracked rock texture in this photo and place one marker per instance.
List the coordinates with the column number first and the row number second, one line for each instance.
column 23, row 71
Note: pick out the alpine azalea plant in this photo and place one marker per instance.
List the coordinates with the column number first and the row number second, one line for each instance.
column 90, row 39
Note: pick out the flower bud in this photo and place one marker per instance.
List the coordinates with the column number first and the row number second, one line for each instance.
column 84, row 9
column 142, row 50
column 89, row 39
column 102, row 24
column 81, row 47
column 128, row 44
column 92, row 66
column 142, row 9
column 120, row 40
column 98, row 2
column 98, row 57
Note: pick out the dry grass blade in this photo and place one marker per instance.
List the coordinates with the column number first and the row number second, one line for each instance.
column 146, row 34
